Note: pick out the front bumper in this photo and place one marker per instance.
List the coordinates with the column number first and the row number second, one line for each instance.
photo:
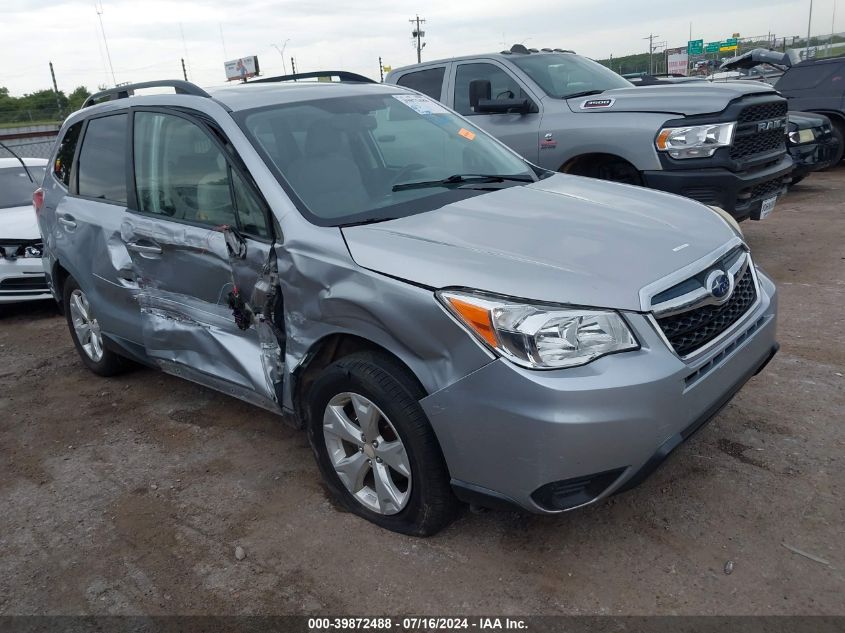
column 810, row 157
column 508, row 433
column 22, row 279
column 739, row 193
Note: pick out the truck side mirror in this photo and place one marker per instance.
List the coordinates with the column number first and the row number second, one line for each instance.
column 478, row 89
column 504, row 106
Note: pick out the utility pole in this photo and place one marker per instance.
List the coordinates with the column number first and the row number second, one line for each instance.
column 292, row 66
column 650, row 39
column 380, row 70
column 418, row 34
column 809, row 23
column 184, row 72
column 56, row 91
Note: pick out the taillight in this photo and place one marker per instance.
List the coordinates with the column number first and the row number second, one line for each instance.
column 38, row 200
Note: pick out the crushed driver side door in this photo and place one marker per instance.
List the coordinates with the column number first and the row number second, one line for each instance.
column 201, row 242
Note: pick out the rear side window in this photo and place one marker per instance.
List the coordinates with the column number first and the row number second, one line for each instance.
column 102, row 159
column 429, row 81
column 64, row 156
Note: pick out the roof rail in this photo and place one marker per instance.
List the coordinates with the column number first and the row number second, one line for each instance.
column 126, row 91
column 342, row 75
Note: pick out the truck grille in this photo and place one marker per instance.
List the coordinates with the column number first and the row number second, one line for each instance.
column 690, row 330
column 750, row 142
column 767, row 189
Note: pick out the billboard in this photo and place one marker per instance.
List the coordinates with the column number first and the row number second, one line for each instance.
column 677, row 61
column 241, row 69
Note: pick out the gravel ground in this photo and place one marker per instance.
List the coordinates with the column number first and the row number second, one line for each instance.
column 131, row 495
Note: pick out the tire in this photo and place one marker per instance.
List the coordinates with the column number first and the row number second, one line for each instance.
column 839, row 133
column 795, row 181
column 346, row 391
column 95, row 357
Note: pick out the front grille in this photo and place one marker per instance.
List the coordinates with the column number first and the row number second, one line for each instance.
column 763, row 111
column 691, row 330
column 20, row 284
column 758, row 143
column 749, row 141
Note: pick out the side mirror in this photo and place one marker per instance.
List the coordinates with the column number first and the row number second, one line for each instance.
column 504, row 106
column 478, row 89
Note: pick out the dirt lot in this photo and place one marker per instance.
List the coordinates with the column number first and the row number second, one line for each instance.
column 129, row 495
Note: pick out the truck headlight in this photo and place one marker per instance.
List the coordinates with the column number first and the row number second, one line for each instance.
column 802, row 136
column 697, row 141
column 540, row 336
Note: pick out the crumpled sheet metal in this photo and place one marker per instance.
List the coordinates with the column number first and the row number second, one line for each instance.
column 326, row 293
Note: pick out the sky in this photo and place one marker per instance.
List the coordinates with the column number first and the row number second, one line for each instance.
column 148, row 38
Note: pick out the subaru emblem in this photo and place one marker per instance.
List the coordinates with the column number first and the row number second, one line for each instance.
column 719, row 285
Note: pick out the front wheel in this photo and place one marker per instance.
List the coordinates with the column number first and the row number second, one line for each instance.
column 85, row 332
column 375, row 448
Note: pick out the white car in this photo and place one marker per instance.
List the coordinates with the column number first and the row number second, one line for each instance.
column 21, row 274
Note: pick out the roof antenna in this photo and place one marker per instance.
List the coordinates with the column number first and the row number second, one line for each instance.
column 20, row 160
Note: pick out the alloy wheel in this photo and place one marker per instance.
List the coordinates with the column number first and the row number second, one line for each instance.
column 367, row 453
column 86, row 326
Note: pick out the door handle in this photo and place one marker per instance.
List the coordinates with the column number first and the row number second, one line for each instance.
column 144, row 249
column 68, row 221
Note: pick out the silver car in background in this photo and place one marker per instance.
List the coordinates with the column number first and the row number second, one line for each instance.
column 448, row 321
column 21, row 273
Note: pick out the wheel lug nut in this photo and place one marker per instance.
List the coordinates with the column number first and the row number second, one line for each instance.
column 378, row 460
column 370, row 462
column 363, row 437
column 375, row 443
column 360, row 449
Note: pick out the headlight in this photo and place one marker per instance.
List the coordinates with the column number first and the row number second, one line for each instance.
column 33, row 251
column 697, row 141
column 802, row 136
column 540, row 336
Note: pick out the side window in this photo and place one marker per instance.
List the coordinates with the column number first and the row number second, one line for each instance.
column 428, row 82
column 64, row 156
column 180, row 173
column 102, row 159
column 502, row 85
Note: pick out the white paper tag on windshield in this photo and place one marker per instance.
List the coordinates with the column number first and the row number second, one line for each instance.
column 420, row 104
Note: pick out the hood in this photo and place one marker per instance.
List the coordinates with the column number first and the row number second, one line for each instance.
column 18, row 223
column 806, row 120
column 756, row 57
column 683, row 99
column 565, row 239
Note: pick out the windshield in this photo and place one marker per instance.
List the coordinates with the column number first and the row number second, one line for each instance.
column 16, row 189
column 352, row 159
column 564, row 75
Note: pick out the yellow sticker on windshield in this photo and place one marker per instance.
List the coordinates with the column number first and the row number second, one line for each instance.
column 467, row 134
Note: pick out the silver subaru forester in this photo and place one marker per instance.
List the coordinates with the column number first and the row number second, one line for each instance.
column 448, row 321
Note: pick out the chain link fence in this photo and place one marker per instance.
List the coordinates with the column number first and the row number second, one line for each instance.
column 28, row 142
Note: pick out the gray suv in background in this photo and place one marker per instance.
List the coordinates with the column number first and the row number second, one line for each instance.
column 720, row 144
column 448, row 321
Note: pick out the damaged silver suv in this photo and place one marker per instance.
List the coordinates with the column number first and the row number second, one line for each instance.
column 448, row 321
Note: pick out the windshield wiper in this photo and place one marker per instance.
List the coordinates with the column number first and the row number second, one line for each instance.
column 585, row 93
column 459, row 180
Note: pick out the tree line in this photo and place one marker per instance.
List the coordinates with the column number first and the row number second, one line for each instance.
column 42, row 106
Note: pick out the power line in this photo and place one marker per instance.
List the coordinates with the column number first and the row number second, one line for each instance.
column 98, row 7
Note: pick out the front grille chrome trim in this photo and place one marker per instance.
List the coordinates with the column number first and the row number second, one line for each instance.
column 724, row 336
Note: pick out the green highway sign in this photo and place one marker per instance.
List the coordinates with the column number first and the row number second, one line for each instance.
column 695, row 47
column 713, row 47
column 731, row 41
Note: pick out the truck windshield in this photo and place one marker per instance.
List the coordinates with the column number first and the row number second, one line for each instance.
column 377, row 157
column 564, row 75
column 16, row 188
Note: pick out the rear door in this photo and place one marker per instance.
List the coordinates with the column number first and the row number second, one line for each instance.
column 521, row 132
column 200, row 239
column 89, row 183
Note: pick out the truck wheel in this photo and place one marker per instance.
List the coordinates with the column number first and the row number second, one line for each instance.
column 375, row 448
column 85, row 332
column 839, row 133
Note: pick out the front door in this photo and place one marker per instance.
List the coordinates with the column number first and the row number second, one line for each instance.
column 520, row 132
column 201, row 243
